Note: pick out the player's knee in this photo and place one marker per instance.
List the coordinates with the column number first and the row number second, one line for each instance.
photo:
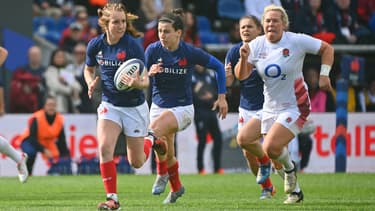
column 136, row 163
column 105, row 151
column 272, row 151
column 244, row 140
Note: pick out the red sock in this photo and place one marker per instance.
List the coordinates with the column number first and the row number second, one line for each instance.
column 161, row 167
column 147, row 147
column 174, row 178
column 109, row 176
column 263, row 160
column 267, row 183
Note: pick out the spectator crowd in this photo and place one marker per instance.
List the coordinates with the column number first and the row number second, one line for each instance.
column 70, row 24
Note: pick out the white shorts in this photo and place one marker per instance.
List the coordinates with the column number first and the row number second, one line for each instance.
column 245, row 115
column 287, row 118
column 133, row 120
column 183, row 114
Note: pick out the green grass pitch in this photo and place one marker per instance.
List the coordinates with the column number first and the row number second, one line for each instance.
column 208, row 192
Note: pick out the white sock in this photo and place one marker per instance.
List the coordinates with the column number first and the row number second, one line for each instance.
column 281, row 173
column 297, row 189
column 9, row 151
column 285, row 160
column 112, row 196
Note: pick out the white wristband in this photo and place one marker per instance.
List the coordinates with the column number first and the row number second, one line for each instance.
column 324, row 69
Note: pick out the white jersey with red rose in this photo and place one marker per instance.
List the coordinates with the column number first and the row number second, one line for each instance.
column 280, row 66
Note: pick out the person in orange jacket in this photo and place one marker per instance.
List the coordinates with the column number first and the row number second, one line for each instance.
column 45, row 133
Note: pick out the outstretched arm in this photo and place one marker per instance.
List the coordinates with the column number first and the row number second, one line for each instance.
column 221, row 102
column 90, row 80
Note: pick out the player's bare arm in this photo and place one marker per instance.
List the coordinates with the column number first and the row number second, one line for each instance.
column 243, row 68
column 90, row 79
column 3, row 55
column 327, row 53
column 155, row 68
column 228, row 74
column 139, row 82
column 222, row 105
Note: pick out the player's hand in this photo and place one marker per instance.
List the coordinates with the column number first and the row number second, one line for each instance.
column 132, row 81
column 155, row 68
column 245, row 51
column 325, row 83
column 222, row 105
column 228, row 70
column 92, row 86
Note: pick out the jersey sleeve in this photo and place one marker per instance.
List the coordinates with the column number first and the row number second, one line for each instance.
column 148, row 56
column 310, row 44
column 232, row 57
column 199, row 56
column 253, row 47
column 207, row 60
column 91, row 53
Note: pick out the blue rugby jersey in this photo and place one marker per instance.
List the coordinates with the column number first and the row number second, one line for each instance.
column 251, row 94
column 172, row 87
column 109, row 58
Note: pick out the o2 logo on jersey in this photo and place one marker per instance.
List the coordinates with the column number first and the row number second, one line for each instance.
column 274, row 71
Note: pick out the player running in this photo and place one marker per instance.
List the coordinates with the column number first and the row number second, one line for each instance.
column 278, row 56
column 170, row 62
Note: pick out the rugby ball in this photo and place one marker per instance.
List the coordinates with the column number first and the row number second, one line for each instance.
column 129, row 68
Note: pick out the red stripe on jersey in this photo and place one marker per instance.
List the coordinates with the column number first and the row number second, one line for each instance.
column 303, row 101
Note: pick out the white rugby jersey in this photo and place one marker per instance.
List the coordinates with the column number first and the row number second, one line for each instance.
column 280, row 66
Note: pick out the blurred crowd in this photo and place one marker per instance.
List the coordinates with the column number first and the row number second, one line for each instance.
column 70, row 24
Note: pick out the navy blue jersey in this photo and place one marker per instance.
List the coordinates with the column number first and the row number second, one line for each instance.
column 109, row 58
column 172, row 87
column 251, row 97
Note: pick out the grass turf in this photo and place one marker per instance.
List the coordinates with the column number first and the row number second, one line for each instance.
column 209, row 192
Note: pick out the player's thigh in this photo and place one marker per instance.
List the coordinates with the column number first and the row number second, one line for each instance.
column 277, row 137
column 108, row 125
column 135, row 151
column 162, row 120
column 107, row 132
column 250, row 132
column 165, row 123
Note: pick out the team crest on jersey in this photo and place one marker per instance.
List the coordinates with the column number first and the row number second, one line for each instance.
column 182, row 62
column 121, row 55
column 102, row 110
column 285, row 52
column 241, row 120
column 288, row 120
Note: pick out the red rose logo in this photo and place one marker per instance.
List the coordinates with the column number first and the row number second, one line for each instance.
column 285, row 52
